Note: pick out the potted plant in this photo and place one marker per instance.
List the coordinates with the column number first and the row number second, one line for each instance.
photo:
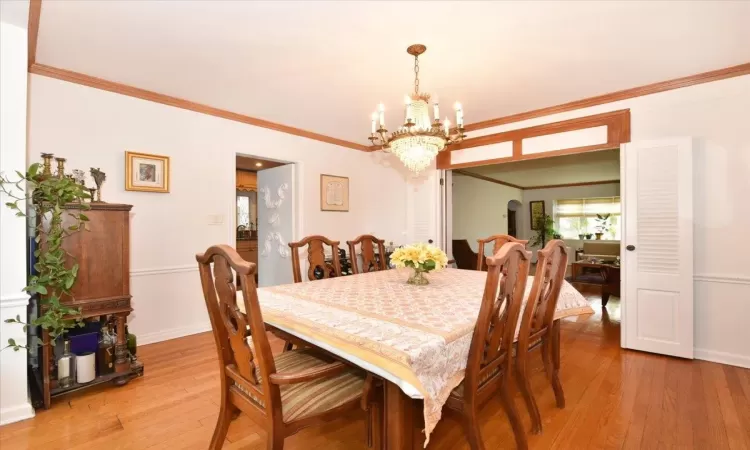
column 602, row 224
column 543, row 235
column 582, row 227
column 54, row 276
column 423, row 258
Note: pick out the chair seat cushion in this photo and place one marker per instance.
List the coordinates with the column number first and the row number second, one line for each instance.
column 458, row 392
column 314, row 397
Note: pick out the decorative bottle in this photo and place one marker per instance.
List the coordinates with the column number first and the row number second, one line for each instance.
column 105, row 355
column 66, row 367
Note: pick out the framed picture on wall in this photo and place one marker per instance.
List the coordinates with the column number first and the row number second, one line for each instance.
column 334, row 193
column 147, row 173
column 536, row 210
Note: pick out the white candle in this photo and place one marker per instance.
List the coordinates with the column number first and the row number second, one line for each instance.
column 381, row 108
column 447, row 126
column 459, row 115
column 436, row 110
column 407, row 102
column 374, row 118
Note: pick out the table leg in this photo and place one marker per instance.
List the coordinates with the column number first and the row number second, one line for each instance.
column 399, row 419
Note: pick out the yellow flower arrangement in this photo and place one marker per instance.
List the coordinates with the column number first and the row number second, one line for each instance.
column 421, row 257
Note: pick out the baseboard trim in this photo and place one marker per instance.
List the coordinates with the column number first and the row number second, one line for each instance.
column 163, row 270
column 16, row 413
column 716, row 278
column 173, row 333
column 731, row 359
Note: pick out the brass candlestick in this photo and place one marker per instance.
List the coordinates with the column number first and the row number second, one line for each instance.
column 60, row 167
column 99, row 178
column 47, row 170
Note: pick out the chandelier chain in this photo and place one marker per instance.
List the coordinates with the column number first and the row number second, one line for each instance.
column 416, row 74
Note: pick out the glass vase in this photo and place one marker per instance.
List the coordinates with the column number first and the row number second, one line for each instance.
column 418, row 278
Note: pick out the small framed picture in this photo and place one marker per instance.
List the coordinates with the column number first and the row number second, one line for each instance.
column 334, row 193
column 147, row 173
column 537, row 214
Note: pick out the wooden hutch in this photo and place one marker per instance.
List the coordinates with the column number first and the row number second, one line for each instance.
column 102, row 288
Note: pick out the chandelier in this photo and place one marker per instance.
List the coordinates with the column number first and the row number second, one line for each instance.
column 419, row 139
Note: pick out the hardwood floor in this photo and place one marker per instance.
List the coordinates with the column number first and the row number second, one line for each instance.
column 615, row 399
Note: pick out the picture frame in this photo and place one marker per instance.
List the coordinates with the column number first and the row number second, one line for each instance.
column 146, row 173
column 536, row 214
column 334, row 193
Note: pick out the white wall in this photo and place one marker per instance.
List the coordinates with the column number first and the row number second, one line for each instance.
column 14, row 403
column 94, row 128
column 718, row 114
column 550, row 195
column 480, row 208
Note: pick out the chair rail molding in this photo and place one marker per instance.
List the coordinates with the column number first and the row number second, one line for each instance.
column 163, row 270
column 720, row 278
column 14, row 300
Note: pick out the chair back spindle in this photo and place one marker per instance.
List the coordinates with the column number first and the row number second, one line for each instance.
column 318, row 267
column 552, row 262
column 238, row 362
column 497, row 240
column 370, row 263
column 492, row 340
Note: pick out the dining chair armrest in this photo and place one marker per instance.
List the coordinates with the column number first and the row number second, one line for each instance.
column 314, row 373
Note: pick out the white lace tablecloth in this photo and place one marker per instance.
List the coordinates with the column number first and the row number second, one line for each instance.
column 417, row 337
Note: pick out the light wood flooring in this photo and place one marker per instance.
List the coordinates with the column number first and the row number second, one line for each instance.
column 615, row 399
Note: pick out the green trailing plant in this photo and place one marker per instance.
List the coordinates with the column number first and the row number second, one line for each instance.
column 543, row 235
column 47, row 196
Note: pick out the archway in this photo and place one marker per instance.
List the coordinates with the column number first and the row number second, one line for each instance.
column 514, row 206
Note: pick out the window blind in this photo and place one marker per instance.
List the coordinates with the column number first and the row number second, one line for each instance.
column 587, row 207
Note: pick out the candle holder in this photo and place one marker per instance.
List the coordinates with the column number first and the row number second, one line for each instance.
column 47, row 170
column 60, row 167
column 92, row 191
column 99, row 178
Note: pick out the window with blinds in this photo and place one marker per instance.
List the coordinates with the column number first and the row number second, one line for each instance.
column 578, row 216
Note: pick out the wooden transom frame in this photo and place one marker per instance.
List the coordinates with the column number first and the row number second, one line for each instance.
column 618, row 132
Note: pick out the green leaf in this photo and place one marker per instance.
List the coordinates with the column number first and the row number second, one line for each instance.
column 33, row 169
column 83, row 217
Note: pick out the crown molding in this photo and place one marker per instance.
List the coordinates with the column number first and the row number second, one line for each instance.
column 143, row 94
column 530, row 188
column 35, row 12
column 677, row 83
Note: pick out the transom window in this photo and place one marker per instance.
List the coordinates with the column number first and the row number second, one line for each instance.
column 575, row 217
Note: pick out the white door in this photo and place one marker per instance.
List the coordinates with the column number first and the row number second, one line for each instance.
column 422, row 214
column 276, row 225
column 657, row 249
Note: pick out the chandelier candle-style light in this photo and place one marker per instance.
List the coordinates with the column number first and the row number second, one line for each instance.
column 419, row 139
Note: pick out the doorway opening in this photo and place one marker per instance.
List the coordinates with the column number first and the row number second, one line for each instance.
column 575, row 198
column 264, row 214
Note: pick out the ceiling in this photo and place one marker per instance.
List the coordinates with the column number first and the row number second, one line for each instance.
column 323, row 66
column 579, row 168
column 250, row 163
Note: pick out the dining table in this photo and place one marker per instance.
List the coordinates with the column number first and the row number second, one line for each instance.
column 416, row 338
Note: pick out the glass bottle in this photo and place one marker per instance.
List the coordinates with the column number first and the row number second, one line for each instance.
column 105, row 355
column 66, row 367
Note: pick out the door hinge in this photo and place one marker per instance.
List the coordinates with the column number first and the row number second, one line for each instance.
column 442, row 182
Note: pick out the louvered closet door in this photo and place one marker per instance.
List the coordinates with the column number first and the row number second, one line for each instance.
column 657, row 180
column 422, row 197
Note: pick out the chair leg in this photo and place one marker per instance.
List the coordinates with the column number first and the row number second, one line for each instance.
column 524, row 385
column 226, row 414
column 471, row 424
column 555, row 350
column 275, row 439
column 510, row 409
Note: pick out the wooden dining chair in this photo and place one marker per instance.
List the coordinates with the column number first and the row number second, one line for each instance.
column 283, row 394
column 540, row 330
column 370, row 263
column 489, row 363
column 316, row 258
column 498, row 240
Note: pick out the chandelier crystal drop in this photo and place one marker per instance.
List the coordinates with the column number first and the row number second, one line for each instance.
column 418, row 141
